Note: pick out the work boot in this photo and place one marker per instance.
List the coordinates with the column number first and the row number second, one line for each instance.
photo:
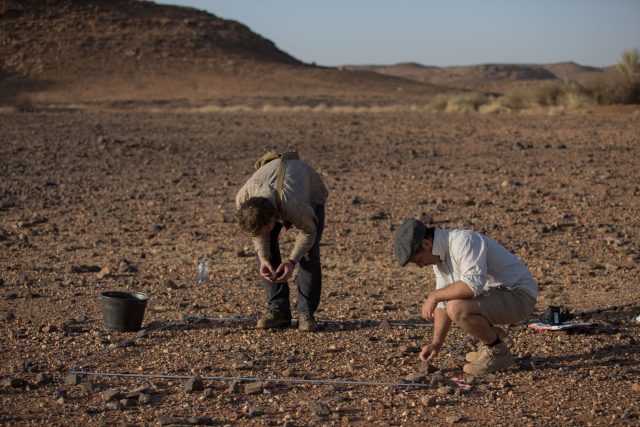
column 473, row 355
column 307, row 323
column 274, row 319
column 490, row 359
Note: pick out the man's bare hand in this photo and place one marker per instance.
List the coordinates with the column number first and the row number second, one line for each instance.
column 266, row 270
column 429, row 352
column 429, row 307
column 284, row 271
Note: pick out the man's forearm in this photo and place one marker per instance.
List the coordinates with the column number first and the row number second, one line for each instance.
column 456, row 290
column 441, row 325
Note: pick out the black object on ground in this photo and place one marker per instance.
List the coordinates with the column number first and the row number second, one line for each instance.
column 123, row 311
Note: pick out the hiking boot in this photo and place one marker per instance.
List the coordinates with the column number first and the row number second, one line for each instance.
column 307, row 323
column 472, row 356
column 274, row 319
column 490, row 359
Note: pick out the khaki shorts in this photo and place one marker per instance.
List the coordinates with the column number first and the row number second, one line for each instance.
column 503, row 306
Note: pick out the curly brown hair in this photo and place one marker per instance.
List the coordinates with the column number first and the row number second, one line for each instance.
column 256, row 213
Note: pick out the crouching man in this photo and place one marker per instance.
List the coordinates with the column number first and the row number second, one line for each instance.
column 286, row 193
column 479, row 284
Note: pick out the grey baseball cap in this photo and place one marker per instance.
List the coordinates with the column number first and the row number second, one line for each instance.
column 407, row 239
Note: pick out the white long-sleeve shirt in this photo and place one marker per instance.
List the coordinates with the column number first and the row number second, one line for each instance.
column 478, row 261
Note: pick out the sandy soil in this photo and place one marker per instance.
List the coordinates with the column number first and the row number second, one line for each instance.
column 144, row 196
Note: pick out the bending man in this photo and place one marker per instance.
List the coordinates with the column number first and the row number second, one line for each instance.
column 479, row 284
column 301, row 195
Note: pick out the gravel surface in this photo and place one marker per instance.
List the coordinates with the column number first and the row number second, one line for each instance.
column 131, row 201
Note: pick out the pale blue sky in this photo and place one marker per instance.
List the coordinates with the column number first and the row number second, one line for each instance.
column 445, row 32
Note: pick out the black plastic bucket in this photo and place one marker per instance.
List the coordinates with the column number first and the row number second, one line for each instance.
column 123, row 311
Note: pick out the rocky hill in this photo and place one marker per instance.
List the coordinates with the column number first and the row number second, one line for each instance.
column 484, row 77
column 96, row 50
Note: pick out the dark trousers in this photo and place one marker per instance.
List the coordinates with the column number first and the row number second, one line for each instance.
column 309, row 280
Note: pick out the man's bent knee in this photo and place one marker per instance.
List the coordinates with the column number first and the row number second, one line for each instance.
column 459, row 309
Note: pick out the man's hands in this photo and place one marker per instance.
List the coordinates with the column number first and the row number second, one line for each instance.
column 430, row 351
column 429, row 307
column 266, row 270
column 284, row 271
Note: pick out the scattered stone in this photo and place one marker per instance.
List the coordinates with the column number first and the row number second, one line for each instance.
column 355, row 200
column 13, row 382
column 87, row 386
column 234, row 387
column 334, row 349
column 243, row 253
column 144, row 398
column 416, row 377
column 409, row 349
column 9, row 316
column 170, row 284
column 145, row 387
column 201, row 421
column 49, row 329
column 115, row 405
column 289, row 372
column 104, row 272
column 289, row 423
column 635, row 387
column 385, row 324
column 44, row 378
column 92, row 411
column 320, row 409
column 445, row 390
column 84, row 268
column 452, row 419
column 72, row 379
column 428, row 401
column 208, row 393
column 127, row 403
column 126, row 267
column 194, row 384
column 255, row 412
column 427, row 368
column 61, row 396
column 111, row 395
column 254, row 387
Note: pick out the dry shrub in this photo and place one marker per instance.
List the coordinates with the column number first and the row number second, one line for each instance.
column 439, row 103
column 494, row 108
column 548, row 94
column 461, row 103
column 514, row 101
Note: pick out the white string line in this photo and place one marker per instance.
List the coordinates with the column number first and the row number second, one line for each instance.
column 253, row 379
column 119, row 344
column 330, row 322
column 437, row 376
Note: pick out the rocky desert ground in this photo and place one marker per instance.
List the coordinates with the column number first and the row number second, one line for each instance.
column 126, row 130
column 131, row 200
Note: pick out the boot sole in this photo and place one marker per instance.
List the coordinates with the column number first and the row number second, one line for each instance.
column 283, row 325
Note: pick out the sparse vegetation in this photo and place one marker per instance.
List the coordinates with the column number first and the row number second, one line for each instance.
column 459, row 103
column 629, row 65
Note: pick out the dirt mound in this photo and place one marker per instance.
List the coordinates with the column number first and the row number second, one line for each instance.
column 96, row 50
